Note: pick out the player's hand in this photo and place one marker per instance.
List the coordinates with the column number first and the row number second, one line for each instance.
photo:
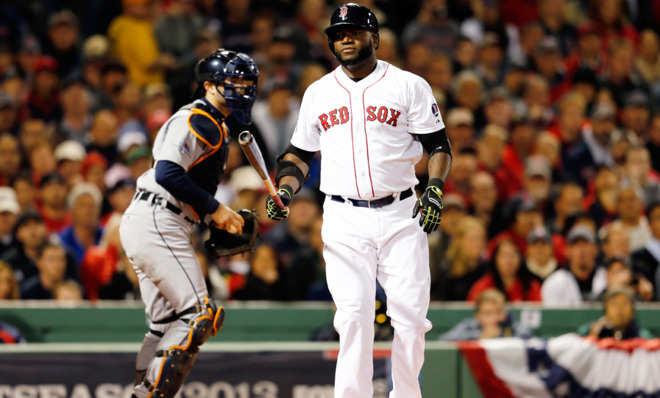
column 273, row 211
column 430, row 205
column 227, row 219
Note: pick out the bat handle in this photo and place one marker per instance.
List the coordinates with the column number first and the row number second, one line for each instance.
column 274, row 195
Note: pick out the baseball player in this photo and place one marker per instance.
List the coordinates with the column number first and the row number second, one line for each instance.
column 190, row 152
column 370, row 120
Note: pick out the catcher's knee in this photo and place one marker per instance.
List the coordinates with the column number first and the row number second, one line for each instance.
column 179, row 359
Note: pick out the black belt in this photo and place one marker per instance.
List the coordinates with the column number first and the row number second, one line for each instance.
column 376, row 203
column 157, row 200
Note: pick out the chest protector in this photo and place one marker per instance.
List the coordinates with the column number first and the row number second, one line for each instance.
column 206, row 172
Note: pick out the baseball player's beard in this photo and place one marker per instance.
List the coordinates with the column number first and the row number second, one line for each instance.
column 362, row 55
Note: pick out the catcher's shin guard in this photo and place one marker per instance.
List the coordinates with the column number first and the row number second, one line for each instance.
column 177, row 360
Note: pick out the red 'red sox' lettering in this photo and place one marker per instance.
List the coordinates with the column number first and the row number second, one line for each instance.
column 330, row 119
column 381, row 113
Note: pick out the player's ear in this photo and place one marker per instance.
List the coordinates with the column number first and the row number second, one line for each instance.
column 375, row 40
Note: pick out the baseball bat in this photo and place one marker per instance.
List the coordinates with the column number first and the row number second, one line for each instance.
column 254, row 155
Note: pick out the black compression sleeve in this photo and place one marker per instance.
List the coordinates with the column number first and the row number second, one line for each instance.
column 305, row 156
column 435, row 142
column 174, row 178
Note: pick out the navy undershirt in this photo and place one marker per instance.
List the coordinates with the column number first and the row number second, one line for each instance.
column 176, row 181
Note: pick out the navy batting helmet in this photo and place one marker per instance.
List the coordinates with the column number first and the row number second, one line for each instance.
column 351, row 14
column 240, row 95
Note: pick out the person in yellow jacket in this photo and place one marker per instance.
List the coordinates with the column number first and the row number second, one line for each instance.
column 133, row 42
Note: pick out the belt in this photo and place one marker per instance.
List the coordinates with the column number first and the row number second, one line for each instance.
column 157, row 200
column 376, row 203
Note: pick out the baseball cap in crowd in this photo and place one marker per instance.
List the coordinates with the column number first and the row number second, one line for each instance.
column 603, row 112
column 157, row 119
column 8, row 201
column 6, row 101
column 619, row 135
column 587, row 28
column 453, row 201
column 460, row 116
column 45, row 62
column 30, row 45
column 636, row 98
column 95, row 47
column 122, row 183
column 491, row 39
column 50, row 178
column 135, row 153
column 70, row 150
column 497, row 94
column 84, row 188
column 581, row 232
column 625, row 260
column 64, row 17
column 156, row 89
column 539, row 233
column 538, row 166
column 626, row 291
column 246, row 178
column 131, row 138
column 548, row 45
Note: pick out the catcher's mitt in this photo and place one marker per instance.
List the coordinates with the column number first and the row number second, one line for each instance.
column 221, row 243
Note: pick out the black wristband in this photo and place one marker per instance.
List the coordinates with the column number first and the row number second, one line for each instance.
column 287, row 188
column 436, row 182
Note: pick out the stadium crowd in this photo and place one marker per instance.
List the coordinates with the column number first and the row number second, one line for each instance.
column 549, row 105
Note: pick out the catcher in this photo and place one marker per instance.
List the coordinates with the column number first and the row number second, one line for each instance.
column 176, row 193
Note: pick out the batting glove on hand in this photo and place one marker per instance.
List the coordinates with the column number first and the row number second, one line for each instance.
column 430, row 203
column 273, row 211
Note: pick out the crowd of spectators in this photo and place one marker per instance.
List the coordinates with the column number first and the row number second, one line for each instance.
column 550, row 106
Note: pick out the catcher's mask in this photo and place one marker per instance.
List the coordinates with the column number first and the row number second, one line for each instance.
column 240, row 78
column 351, row 14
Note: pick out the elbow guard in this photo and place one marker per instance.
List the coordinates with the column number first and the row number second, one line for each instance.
column 437, row 142
column 289, row 168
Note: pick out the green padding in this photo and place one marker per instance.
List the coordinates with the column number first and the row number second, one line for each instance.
column 111, row 322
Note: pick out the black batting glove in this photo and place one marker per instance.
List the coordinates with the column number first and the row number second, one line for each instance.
column 273, row 211
column 430, row 204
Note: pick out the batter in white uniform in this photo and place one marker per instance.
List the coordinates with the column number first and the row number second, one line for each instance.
column 371, row 121
column 190, row 152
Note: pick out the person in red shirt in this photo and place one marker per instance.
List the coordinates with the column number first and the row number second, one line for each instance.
column 508, row 273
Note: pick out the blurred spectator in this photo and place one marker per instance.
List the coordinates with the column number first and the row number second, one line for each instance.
column 454, row 211
column 235, row 24
column 647, row 258
column 30, row 234
column 128, row 106
column 548, row 63
column 8, row 111
column 552, row 16
column 490, row 61
column 647, row 61
column 84, row 201
column 8, row 284
column 536, row 102
column 609, row 17
column 76, row 102
column 568, row 126
column 539, row 257
column 537, row 182
column 635, row 114
column 547, row 145
column 157, row 98
column 460, row 129
column 464, row 54
column 69, row 156
column 102, row 136
column 486, row 20
column 276, row 117
column 32, row 132
column 581, row 280
column 68, row 291
column 462, row 265
column 485, row 203
column 619, row 321
column 10, row 158
column 464, row 165
column 388, row 51
column 594, row 150
column 491, row 320
column 524, row 215
column 432, row 26
column 621, row 80
column 26, row 192
column 568, row 201
column 498, row 109
column 601, row 202
column 512, row 169
column 9, row 209
column 530, row 35
column 288, row 237
column 42, row 159
column 266, row 279
column 247, row 185
column 307, row 273
column 175, row 29
column 95, row 51
column 62, row 42
column 629, row 207
column 589, row 54
column 467, row 91
column 43, row 101
column 51, row 262
column 134, row 43
column 53, row 209
column 113, row 75
column 93, row 169
column 490, row 147
column 508, row 273
column 621, row 274
column 638, row 172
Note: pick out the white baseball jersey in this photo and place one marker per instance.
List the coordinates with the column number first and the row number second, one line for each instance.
column 363, row 130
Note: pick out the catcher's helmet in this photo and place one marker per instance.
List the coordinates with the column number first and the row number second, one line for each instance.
column 241, row 97
column 209, row 69
column 351, row 14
